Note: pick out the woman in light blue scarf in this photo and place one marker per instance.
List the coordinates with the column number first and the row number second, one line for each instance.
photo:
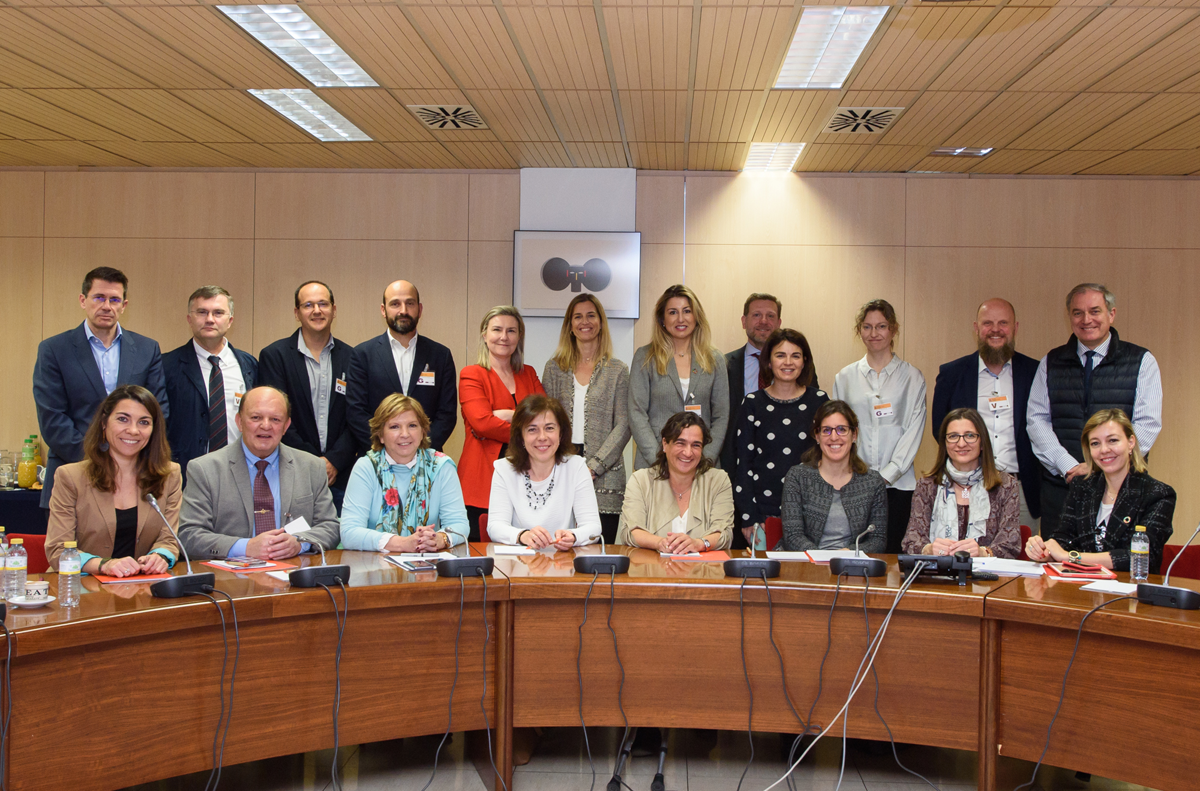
column 403, row 496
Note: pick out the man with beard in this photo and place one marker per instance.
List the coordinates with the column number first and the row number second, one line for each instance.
column 996, row 381
column 400, row 361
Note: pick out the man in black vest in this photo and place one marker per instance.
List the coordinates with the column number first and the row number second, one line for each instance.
column 1093, row 370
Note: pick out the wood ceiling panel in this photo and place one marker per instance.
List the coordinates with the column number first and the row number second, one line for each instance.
column 650, row 46
column 1068, row 163
column 722, row 116
column 57, row 153
column 1148, row 163
column 378, row 113
column 1010, row 160
column 1006, row 118
column 1114, row 36
column 562, row 45
column 176, row 114
column 475, row 45
column 890, row 159
column 103, row 111
column 862, row 99
column 739, row 45
column 205, row 36
column 424, row 155
column 540, row 154
column 19, row 72
column 1172, row 60
column 654, row 115
column 1184, row 136
column 933, row 117
column 106, row 31
column 170, row 155
column 1161, row 114
column 515, row 115
column 29, row 38
column 309, row 155
column 34, row 110
column 362, row 154
column 10, row 154
column 716, row 156
column 241, row 111
column 916, row 45
column 795, row 116
column 1079, row 118
column 945, row 165
column 1008, row 44
column 384, row 43
column 12, row 126
column 830, row 157
column 585, row 115
column 257, row 155
column 657, row 156
column 1190, row 85
column 592, row 154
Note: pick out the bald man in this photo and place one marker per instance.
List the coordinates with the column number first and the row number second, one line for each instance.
column 996, row 380
column 400, row 361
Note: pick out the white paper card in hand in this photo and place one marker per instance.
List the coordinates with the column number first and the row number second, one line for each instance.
column 296, row 526
column 1111, row 586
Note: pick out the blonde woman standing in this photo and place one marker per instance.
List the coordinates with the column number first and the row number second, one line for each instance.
column 585, row 378
column 678, row 371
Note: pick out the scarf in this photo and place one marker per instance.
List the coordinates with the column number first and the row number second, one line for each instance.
column 403, row 518
column 944, row 522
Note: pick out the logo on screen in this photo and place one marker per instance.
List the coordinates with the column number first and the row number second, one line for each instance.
column 594, row 275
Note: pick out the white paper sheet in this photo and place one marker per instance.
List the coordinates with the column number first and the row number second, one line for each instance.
column 1111, row 586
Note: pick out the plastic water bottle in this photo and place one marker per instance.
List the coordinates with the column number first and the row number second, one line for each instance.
column 15, row 563
column 3, row 542
column 1139, row 555
column 68, row 575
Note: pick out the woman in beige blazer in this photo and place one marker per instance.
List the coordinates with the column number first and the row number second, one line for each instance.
column 100, row 502
column 681, row 503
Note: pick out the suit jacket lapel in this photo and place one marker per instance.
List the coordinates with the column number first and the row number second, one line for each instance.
column 297, row 375
column 386, row 362
column 241, row 476
column 420, row 358
column 108, row 512
column 83, row 355
column 127, row 364
column 673, row 375
column 287, row 481
column 145, row 515
column 191, row 372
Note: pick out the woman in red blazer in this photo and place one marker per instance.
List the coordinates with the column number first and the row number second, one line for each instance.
column 489, row 392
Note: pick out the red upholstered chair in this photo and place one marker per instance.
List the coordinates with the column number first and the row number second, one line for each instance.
column 1188, row 565
column 1025, row 534
column 35, row 545
column 483, row 533
column 774, row 530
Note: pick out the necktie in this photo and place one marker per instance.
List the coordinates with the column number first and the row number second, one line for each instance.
column 264, row 502
column 217, row 429
column 762, row 378
column 1088, row 369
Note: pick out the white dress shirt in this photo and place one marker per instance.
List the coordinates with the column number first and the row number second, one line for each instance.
column 1146, row 417
column 749, row 371
column 1001, row 423
column 571, row 506
column 887, row 443
column 231, row 375
column 404, row 358
column 578, row 411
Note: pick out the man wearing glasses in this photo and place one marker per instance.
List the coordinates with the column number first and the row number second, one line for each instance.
column 77, row 369
column 311, row 367
column 206, row 379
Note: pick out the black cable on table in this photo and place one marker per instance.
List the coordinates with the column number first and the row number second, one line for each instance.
column 487, row 727
column 612, row 598
column 820, row 679
column 746, row 675
column 579, row 675
column 340, row 619
column 450, row 705
column 1063, row 694
column 9, row 639
column 226, row 713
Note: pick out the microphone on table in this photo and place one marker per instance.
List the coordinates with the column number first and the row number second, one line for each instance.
column 602, row 563
column 1167, row 595
column 752, row 566
column 859, row 565
column 180, row 584
column 314, row 576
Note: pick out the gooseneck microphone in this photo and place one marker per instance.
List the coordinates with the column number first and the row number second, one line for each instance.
column 752, row 566
column 860, row 535
column 181, row 584
column 322, row 575
column 1166, row 595
column 602, row 563
column 860, row 565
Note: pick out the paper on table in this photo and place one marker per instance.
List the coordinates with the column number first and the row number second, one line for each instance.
column 1111, row 586
column 512, row 549
column 825, row 555
column 279, row 575
column 1008, row 567
column 107, row 580
column 424, row 556
column 781, row 555
column 272, row 565
column 296, row 526
column 711, row 556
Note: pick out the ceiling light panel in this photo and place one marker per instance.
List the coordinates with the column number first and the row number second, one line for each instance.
column 951, row 151
column 828, row 42
column 772, row 157
column 309, row 112
column 292, row 35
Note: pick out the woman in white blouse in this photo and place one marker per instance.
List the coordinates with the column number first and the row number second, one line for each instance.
column 542, row 493
column 889, row 394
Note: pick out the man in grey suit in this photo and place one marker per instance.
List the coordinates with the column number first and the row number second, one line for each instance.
column 240, row 498
column 77, row 369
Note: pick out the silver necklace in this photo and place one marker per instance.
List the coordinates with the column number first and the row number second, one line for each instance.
column 536, row 500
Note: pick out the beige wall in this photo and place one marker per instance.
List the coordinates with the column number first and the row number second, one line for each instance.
column 934, row 247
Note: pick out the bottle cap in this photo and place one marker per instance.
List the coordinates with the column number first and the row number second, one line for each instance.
column 66, row 544
column 1140, row 529
column 28, row 440
column 1, row 528
column 18, row 541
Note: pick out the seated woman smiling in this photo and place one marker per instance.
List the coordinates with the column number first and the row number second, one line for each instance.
column 681, row 503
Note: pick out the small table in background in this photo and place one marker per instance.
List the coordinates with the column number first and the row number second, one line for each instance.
column 21, row 512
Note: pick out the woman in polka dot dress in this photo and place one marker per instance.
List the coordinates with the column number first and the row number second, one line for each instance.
column 774, row 429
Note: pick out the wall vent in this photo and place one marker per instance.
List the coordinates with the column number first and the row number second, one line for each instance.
column 862, row 120
column 448, row 116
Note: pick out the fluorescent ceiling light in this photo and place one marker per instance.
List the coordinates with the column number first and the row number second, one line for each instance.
column 292, row 35
column 951, row 151
column 773, row 157
column 309, row 112
column 827, row 43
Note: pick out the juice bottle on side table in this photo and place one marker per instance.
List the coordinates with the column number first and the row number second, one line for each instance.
column 27, row 468
column 15, row 565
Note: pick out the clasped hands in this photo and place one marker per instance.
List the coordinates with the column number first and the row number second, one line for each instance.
column 944, row 546
column 273, row 545
column 153, row 563
column 679, row 544
column 540, row 538
column 423, row 539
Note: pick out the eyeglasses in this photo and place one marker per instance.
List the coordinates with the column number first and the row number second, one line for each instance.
column 828, row 431
column 100, row 299
column 969, row 438
column 323, row 305
column 203, row 313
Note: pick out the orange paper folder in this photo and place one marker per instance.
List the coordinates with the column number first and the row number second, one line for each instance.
column 107, row 580
column 272, row 565
column 1055, row 570
column 712, row 556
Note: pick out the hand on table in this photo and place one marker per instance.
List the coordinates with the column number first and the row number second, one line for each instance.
column 427, row 539
column 537, row 538
column 120, row 567
column 153, row 563
column 273, row 545
column 679, row 544
column 563, row 540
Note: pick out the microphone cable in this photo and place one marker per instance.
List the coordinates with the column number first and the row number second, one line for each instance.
column 226, row 713
column 612, row 598
column 340, row 620
column 487, row 726
column 1063, row 693
column 579, row 676
column 462, row 593
column 820, row 681
column 9, row 639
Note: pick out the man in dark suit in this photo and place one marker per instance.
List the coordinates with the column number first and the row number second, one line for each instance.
column 206, row 379
column 77, row 369
column 312, row 367
column 400, row 361
column 995, row 380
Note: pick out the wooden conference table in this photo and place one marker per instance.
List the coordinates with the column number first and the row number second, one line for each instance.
column 974, row 668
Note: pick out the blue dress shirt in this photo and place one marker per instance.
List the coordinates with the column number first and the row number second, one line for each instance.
column 108, row 359
column 272, row 475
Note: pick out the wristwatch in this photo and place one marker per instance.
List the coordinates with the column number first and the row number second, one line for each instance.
column 707, row 545
column 1075, row 557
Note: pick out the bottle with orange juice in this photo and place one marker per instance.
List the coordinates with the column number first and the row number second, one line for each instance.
column 27, row 467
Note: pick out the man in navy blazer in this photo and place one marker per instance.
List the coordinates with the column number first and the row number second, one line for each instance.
column 206, row 396
column 996, row 381
column 77, row 369
column 312, row 367
column 380, row 365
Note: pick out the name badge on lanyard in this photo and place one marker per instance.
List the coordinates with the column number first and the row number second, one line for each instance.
column 693, row 408
column 999, row 403
column 883, row 410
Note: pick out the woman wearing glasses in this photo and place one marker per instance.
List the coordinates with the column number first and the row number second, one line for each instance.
column 833, row 498
column 965, row 503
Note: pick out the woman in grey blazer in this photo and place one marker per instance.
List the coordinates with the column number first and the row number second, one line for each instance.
column 832, row 496
column 594, row 388
column 678, row 371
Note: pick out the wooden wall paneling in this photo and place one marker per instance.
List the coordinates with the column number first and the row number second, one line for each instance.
column 1174, row 58
column 659, row 209
column 360, row 206
column 1078, row 119
column 916, row 46
column 21, row 266
column 489, row 283
column 131, row 204
column 1067, row 163
column 494, row 210
column 1006, row 118
column 162, row 275
column 29, row 38
column 662, row 266
column 22, row 196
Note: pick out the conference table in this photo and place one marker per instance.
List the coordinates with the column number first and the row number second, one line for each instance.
column 973, row 667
